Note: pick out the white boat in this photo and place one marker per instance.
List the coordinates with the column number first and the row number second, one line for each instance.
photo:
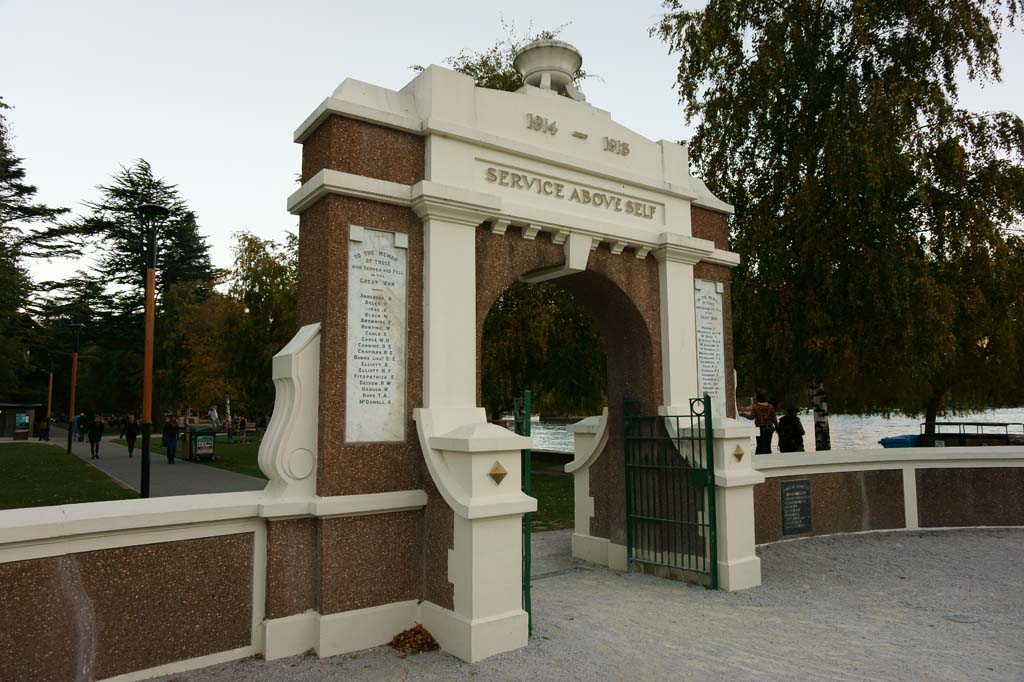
column 534, row 418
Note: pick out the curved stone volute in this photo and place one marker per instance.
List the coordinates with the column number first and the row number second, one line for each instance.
column 288, row 452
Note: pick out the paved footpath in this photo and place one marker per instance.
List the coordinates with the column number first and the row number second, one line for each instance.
column 181, row 478
column 907, row 606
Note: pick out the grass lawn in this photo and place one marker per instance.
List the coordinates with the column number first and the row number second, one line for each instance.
column 43, row 475
column 553, row 489
column 241, row 458
column 238, row 457
column 554, row 502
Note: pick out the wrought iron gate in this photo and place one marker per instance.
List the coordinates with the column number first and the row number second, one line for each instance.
column 670, row 493
column 521, row 419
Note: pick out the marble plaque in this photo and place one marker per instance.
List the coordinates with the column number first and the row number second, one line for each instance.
column 377, row 322
column 710, row 342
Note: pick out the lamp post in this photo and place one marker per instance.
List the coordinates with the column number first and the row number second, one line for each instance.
column 49, row 402
column 74, row 380
column 150, row 215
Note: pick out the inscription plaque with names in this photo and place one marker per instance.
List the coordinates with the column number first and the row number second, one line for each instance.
column 796, row 507
column 708, row 308
column 375, row 381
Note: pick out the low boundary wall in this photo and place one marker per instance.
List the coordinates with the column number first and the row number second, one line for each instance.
column 898, row 488
column 132, row 589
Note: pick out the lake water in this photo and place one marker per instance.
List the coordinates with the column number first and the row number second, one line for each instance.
column 847, row 430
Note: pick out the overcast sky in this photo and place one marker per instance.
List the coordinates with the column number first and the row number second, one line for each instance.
column 210, row 91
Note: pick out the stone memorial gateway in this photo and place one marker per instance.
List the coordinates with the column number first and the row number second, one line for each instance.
column 418, row 207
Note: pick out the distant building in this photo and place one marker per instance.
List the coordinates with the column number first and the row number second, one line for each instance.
column 17, row 420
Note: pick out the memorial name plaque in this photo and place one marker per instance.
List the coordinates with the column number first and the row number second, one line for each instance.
column 710, row 342
column 377, row 320
column 796, row 507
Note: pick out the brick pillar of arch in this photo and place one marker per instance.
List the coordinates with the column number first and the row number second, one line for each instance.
column 621, row 293
column 334, row 565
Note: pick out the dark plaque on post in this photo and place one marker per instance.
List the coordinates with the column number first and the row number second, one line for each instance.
column 796, row 507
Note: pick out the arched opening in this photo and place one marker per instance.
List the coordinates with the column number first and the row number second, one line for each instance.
column 538, row 337
column 619, row 295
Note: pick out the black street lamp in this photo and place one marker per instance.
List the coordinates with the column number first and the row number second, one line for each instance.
column 74, row 380
column 150, row 215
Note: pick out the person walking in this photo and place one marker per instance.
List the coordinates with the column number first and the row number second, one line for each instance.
column 764, row 419
column 791, row 432
column 130, row 431
column 242, row 426
column 95, row 436
column 83, row 426
column 170, row 438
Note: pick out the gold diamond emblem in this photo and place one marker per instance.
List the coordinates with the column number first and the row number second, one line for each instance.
column 739, row 453
column 497, row 473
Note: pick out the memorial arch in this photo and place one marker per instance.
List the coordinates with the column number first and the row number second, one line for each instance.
column 418, row 208
column 391, row 501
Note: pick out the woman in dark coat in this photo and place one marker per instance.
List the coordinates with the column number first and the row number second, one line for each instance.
column 95, row 436
column 130, row 432
column 791, row 432
column 170, row 438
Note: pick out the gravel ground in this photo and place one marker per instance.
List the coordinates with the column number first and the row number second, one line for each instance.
column 946, row 605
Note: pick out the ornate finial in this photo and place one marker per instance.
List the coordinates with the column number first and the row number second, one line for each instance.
column 550, row 65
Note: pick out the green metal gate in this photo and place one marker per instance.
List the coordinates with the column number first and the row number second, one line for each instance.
column 521, row 419
column 670, row 493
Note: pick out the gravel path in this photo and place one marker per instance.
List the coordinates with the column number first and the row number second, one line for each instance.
column 946, row 605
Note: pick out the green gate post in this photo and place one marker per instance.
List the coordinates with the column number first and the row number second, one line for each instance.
column 521, row 416
column 709, row 454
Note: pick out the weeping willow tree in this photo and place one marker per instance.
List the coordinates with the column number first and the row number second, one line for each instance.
column 874, row 214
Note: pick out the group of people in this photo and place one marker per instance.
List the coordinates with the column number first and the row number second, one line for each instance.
column 789, row 427
column 130, row 432
column 237, row 426
column 93, row 428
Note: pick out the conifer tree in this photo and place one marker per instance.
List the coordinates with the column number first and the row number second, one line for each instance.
column 19, row 210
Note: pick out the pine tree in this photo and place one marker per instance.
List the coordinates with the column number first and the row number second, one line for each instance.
column 112, row 232
column 18, row 211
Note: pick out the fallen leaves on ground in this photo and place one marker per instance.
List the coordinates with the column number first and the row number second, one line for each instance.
column 414, row 641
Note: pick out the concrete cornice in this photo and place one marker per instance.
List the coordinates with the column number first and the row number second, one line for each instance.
column 431, row 200
column 466, row 207
column 43, row 524
column 679, row 249
column 328, row 182
column 729, row 259
column 337, row 106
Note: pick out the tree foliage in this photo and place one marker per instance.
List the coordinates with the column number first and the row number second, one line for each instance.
column 538, row 337
column 264, row 288
column 108, row 298
column 874, row 215
column 493, row 67
column 20, row 367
